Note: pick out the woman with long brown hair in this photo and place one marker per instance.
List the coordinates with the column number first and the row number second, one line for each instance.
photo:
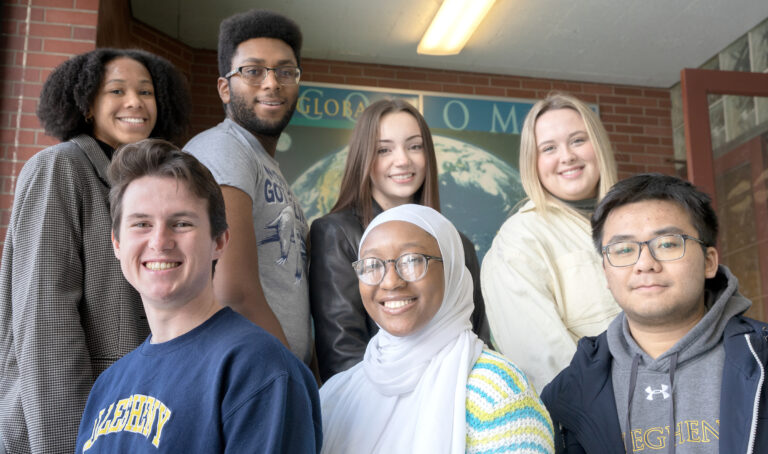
column 391, row 162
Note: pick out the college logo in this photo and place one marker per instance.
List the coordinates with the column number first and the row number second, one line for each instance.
column 653, row 392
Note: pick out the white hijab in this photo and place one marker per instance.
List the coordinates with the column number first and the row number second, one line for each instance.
column 408, row 394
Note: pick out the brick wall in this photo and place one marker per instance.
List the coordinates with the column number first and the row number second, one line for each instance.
column 36, row 36
column 637, row 118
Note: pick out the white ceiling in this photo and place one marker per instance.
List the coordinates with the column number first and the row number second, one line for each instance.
column 633, row 42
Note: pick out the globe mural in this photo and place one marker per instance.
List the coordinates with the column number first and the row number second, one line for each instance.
column 478, row 191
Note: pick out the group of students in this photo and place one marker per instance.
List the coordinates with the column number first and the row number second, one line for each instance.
column 128, row 292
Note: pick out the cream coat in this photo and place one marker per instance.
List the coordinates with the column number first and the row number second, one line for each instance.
column 544, row 288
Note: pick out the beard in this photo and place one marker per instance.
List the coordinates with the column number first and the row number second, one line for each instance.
column 243, row 115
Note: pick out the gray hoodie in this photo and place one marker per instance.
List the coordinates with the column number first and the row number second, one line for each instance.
column 682, row 384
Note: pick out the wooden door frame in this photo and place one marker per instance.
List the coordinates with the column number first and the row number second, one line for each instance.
column 696, row 84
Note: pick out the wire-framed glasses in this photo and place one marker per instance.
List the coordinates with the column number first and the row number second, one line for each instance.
column 410, row 267
column 255, row 74
column 662, row 248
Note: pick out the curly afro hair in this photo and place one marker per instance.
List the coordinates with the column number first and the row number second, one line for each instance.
column 68, row 94
column 255, row 23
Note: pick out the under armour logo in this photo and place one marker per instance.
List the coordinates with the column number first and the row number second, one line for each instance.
column 663, row 391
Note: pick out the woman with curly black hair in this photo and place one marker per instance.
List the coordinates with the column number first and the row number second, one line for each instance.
column 66, row 311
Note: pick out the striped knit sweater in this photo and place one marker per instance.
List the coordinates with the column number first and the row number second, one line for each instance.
column 504, row 413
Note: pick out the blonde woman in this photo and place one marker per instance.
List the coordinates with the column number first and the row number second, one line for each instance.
column 542, row 279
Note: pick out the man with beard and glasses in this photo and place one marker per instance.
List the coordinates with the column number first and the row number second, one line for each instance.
column 262, row 275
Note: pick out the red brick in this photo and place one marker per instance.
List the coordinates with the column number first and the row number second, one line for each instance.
column 632, row 110
column 394, row 83
column 56, row 16
column 426, row 86
column 618, row 138
column 411, row 75
column 634, row 119
column 606, row 109
column 649, row 102
column 385, row 73
column 654, row 93
column 49, row 30
column 599, row 89
column 651, row 149
column 666, row 170
column 450, row 78
column 474, row 80
column 505, row 82
column 588, row 98
column 631, row 129
column 657, row 112
column 25, row 153
column 632, row 148
column 348, row 70
column 658, row 131
column 522, row 94
column 9, row 27
column 665, row 103
column 614, row 118
column 363, row 81
column 625, row 91
column 567, row 87
column 645, row 139
column 465, row 89
column 69, row 4
column 86, row 33
column 92, row 5
column 45, row 60
column 612, row 99
column 536, row 84
column 647, row 159
column 328, row 78
column 67, row 46
column 490, row 91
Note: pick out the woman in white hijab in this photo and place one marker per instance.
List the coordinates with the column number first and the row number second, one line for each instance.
column 427, row 384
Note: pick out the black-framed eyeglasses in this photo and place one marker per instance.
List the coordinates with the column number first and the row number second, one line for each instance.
column 410, row 267
column 663, row 248
column 255, row 74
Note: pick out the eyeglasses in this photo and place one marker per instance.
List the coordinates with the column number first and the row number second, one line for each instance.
column 255, row 74
column 410, row 267
column 663, row 248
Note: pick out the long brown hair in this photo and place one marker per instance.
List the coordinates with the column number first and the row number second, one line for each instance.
column 356, row 191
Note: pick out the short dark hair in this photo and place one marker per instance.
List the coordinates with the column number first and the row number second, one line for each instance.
column 69, row 92
column 256, row 23
column 655, row 186
column 155, row 157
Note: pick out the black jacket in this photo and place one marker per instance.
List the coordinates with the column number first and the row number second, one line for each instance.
column 342, row 327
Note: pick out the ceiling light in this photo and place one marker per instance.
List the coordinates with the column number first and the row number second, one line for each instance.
column 452, row 26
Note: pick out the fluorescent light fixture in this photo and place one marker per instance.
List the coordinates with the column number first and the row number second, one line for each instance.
column 452, row 26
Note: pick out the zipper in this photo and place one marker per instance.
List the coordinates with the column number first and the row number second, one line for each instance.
column 753, row 430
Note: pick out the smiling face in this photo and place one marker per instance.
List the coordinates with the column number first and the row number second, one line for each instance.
column 165, row 247
column 124, row 109
column 400, row 164
column 267, row 108
column 402, row 308
column 658, row 293
column 566, row 163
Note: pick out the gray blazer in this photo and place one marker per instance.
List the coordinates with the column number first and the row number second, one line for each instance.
column 66, row 311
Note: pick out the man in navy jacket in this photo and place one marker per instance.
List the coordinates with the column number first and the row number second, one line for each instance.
column 680, row 369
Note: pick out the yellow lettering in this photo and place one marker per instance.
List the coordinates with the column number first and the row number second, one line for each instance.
column 104, row 424
column 148, row 418
column 694, row 434
column 317, row 108
column 136, row 408
column 333, row 103
column 165, row 413
column 346, row 109
column 121, row 415
column 709, row 431
column 637, row 440
column 360, row 109
column 657, row 441
column 94, row 434
column 678, row 434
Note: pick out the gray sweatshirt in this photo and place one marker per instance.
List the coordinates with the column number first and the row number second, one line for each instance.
column 682, row 384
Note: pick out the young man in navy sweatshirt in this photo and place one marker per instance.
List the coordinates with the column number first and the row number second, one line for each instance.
column 206, row 379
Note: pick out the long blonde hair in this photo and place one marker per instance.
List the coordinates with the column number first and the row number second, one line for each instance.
column 529, row 173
